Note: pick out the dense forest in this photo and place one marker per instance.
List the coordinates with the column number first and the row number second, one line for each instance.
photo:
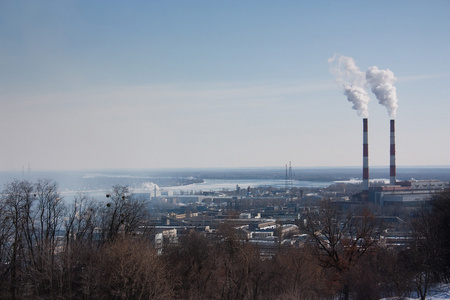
column 86, row 249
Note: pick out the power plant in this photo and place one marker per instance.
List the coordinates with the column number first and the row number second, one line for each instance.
column 354, row 82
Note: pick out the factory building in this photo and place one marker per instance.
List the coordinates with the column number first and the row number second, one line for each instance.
column 407, row 193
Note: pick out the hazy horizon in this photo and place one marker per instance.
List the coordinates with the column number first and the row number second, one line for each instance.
column 25, row 169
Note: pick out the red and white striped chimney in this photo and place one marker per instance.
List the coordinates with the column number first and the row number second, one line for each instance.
column 365, row 186
column 392, row 164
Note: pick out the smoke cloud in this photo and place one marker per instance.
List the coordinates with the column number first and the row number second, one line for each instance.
column 352, row 80
column 382, row 85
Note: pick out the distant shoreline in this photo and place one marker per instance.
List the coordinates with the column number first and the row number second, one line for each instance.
column 94, row 180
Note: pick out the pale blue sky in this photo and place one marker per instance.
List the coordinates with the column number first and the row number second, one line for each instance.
column 151, row 84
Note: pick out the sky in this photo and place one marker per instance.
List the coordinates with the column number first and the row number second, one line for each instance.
column 206, row 84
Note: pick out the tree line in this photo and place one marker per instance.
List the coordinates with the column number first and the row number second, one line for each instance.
column 87, row 249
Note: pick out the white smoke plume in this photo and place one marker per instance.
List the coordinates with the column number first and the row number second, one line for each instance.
column 352, row 80
column 382, row 83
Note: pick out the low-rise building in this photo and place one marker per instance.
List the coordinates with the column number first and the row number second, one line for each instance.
column 409, row 193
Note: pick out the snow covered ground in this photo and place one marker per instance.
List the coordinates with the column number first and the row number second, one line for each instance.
column 438, row 292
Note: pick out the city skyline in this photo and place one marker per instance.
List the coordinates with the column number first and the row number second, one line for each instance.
column 96, row 85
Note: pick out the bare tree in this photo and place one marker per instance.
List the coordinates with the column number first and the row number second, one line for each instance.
column 193, row 263
column 6, row 235
column 81, row 221
column 340, row 240
column 294, row 274
column 127, row 268
column 440, row 214
column 34, row 214
column 17, row 198
column 123, row 213
column 430, row 251
column 45, row 228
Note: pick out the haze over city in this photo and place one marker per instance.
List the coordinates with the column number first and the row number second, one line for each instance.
column 165, row 84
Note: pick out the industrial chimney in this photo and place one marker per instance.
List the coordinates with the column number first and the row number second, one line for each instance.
column 392, row 165
column 365, row 186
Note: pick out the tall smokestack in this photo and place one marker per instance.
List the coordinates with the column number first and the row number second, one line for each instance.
column 365, row 187
column 392, row 164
